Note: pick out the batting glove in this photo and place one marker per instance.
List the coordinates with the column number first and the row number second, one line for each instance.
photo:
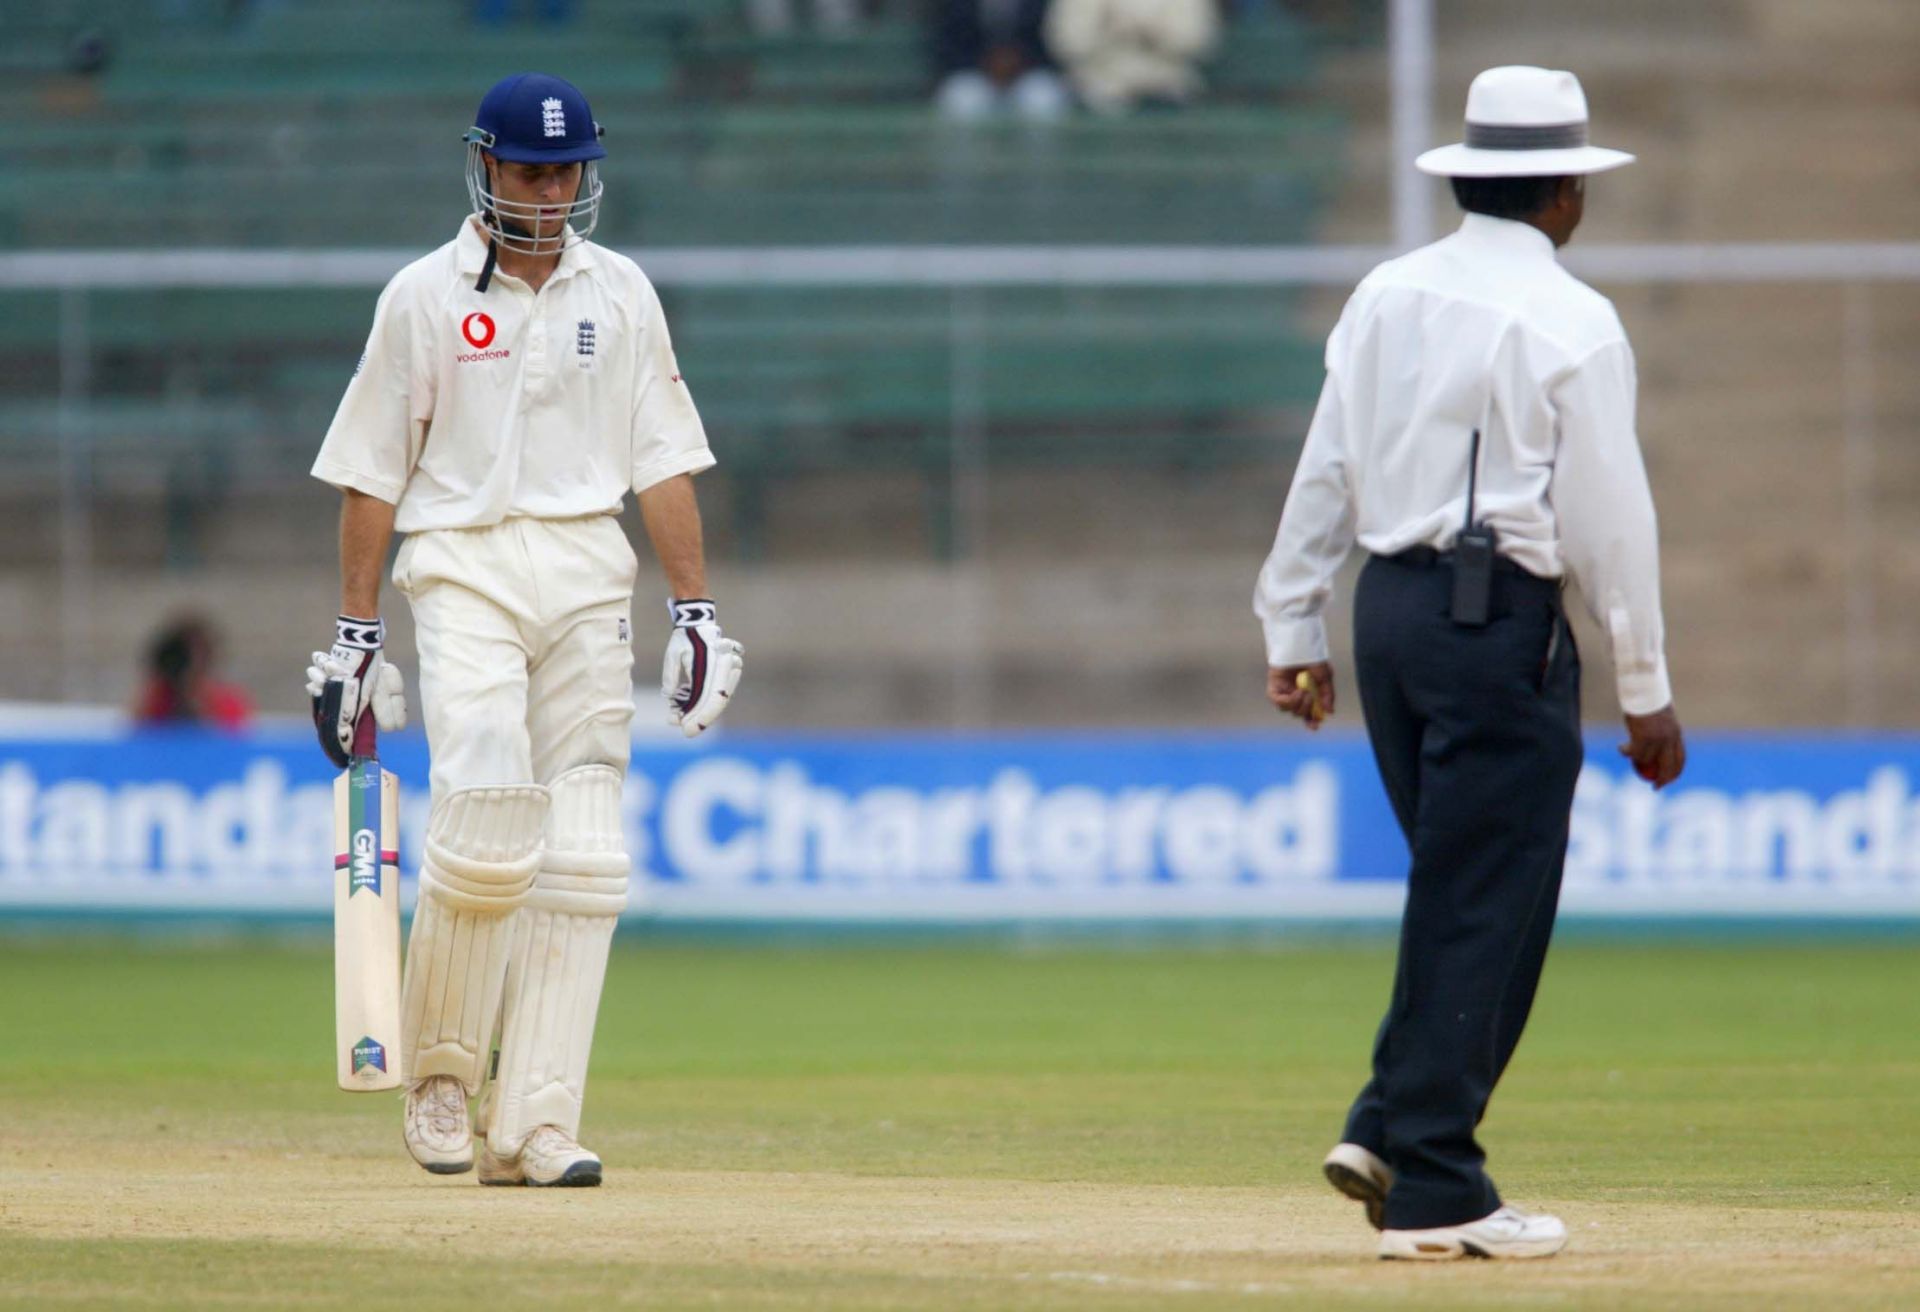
column 702, row 667
column 350, row 682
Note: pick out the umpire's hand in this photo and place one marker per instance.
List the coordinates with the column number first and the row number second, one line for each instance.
column 1312, row 702
column 1656, row 747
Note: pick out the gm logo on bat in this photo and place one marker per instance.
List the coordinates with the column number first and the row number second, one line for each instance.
column 366, row 863
column 369, row 1052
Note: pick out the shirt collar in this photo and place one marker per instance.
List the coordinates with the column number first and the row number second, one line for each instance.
column 1508, row 235
column 470, row 249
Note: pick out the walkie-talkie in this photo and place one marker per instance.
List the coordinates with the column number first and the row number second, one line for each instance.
column 1473, row 553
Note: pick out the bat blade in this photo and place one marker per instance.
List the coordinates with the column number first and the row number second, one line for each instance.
column 366, row 927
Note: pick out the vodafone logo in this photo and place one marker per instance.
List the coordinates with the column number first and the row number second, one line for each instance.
column 477, row 328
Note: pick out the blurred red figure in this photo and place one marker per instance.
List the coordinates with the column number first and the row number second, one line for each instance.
column 180, row 685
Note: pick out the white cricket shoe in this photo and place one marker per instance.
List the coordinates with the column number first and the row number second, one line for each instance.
column 550, row 1158
column 1361, row 1176
column 1504, row 1234
column 436, row 1127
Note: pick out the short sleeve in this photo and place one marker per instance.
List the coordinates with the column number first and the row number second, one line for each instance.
column 668, row 437
column 369, row 447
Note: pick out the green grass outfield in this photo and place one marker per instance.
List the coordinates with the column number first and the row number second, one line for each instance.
column 862, row 1125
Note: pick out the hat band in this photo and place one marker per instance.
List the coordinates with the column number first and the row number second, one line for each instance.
column 1502, row 136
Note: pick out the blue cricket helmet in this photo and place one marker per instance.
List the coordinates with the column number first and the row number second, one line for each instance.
column 531, row 118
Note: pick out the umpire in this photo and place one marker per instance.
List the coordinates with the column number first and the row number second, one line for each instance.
column 1475, row 436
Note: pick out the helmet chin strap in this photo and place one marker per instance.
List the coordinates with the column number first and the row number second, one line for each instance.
column 511, row 229
column 486, row 270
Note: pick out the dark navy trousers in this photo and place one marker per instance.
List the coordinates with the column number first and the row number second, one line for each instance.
column 1477, row 736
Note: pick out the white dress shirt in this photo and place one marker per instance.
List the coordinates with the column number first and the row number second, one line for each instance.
column 1481, row 329
column 470, row 408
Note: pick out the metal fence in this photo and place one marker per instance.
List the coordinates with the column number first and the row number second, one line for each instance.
column 1783, row 475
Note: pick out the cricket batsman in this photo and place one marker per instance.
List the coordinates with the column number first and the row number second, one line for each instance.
column 516, row 383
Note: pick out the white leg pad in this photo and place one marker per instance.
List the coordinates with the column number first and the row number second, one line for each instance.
column 559, row 961
column 483, row 847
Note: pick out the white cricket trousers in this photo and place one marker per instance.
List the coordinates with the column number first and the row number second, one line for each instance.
column 524, row 637
column 526, row 662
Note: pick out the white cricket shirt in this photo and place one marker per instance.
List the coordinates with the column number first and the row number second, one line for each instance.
column 470, row 407
column 1480, row 329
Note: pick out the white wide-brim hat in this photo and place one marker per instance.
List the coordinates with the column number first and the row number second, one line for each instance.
column 1523, row 122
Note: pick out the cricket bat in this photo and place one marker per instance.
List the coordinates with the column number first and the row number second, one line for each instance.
column 366, row 919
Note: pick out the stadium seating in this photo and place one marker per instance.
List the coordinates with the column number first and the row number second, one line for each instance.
column 310, row 125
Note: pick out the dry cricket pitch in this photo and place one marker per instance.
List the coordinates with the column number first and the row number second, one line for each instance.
column 950, row 1127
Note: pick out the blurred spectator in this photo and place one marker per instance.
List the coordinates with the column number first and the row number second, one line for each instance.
column 230, row 12
column 991, row 57
column 1133, row 54
column 198, row 13
column 779, row 17
column 496, row 13
column 89, row 52
column 181, row 687
column 76, row 90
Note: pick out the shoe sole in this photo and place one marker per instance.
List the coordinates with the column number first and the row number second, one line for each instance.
column 1362, row 1189
column 581, row 1175
column 1454, row 1250
column 1435, row 1250
column 456, row 1167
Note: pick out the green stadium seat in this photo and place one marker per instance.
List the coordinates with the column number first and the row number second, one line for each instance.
column 309, row 125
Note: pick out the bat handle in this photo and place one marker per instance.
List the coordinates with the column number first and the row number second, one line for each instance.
column 364, row 733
